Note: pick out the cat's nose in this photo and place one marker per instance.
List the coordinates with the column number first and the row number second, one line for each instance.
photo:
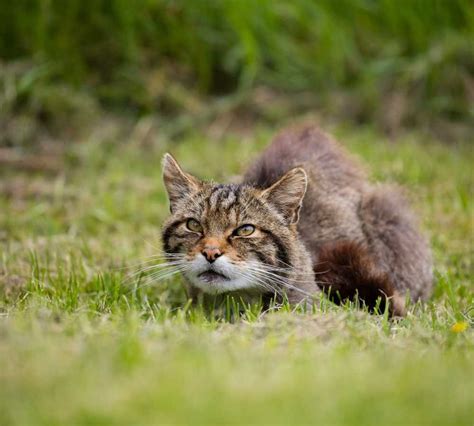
column 211, row 253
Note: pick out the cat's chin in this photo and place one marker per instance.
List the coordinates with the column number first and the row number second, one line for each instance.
column 211, row 277
column 212, row 282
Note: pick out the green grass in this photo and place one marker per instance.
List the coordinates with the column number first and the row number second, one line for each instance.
column 79, row 344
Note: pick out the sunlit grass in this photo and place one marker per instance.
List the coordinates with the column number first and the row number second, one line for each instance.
column 81, row 342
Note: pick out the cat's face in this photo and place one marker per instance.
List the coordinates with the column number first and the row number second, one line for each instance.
column 230, row 237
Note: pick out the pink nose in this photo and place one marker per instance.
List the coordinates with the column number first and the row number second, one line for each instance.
column 211, row 253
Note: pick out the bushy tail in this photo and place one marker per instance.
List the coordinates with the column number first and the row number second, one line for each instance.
column 345, row 271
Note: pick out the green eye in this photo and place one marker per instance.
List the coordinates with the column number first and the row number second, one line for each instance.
column 244, row 231
column 194, row 225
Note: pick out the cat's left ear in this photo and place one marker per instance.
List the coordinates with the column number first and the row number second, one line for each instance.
column 178, row 183
column 287, row 194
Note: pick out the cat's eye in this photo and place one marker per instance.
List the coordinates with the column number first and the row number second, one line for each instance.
column 244, row 231
column 194, row 225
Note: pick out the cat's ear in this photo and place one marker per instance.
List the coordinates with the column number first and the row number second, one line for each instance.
column 178, row 183
column 286, row 194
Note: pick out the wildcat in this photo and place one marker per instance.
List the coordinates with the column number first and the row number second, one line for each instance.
column 304, row 219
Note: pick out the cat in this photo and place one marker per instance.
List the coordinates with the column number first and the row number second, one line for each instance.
column 304, row 219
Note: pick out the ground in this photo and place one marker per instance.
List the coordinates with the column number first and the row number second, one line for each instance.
column 81, row 342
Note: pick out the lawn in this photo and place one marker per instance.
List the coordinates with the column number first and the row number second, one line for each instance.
column 84, row 341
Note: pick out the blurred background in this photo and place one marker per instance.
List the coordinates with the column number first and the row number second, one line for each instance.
column 176, row 66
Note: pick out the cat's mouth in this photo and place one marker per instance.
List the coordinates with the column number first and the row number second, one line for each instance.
column 211, row 276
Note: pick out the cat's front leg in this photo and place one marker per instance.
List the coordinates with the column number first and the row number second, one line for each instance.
column 305, row 301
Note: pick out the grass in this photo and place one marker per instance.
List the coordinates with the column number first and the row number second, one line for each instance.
column 79, row 344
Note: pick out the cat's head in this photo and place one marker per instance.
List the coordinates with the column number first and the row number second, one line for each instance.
column 231, row 237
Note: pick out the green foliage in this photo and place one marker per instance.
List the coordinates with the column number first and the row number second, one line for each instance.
column 126, row 52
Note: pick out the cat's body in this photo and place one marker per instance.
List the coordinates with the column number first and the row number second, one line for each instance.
column 352, row 238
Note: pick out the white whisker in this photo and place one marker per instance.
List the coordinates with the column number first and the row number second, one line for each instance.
column 161, row 275
column 276, row 275
column 156, row 269
column 278, row 279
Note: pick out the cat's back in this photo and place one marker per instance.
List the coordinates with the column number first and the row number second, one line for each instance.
column 323, row 159
column 335, row 182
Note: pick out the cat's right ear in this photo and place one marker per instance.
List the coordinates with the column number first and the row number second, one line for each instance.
column 178, row 183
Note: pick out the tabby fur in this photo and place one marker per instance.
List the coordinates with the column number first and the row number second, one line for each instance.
column 318, row 224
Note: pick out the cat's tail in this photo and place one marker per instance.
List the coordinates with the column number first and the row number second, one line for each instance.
column 345, row 271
